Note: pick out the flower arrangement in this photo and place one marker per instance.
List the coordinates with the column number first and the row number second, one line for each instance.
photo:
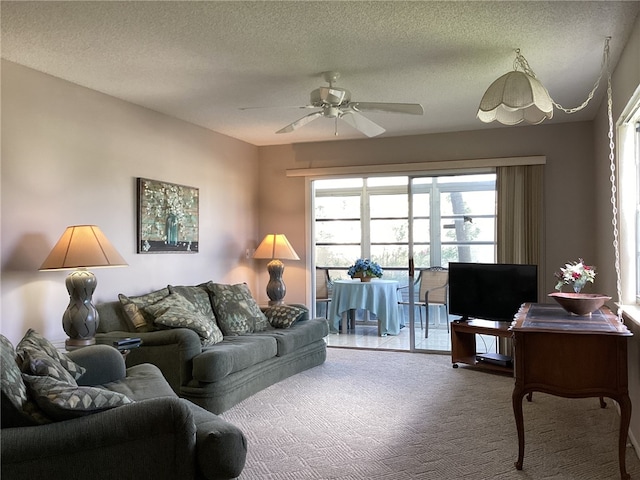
column 576, row 274
column 365, row 268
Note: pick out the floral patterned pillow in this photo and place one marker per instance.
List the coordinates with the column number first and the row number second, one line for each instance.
column 236, row 310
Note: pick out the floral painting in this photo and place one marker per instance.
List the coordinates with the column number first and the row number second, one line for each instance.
column 167, row 217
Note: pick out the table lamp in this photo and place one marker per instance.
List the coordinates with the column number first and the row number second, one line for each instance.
column 81, row 247
column 276, row 247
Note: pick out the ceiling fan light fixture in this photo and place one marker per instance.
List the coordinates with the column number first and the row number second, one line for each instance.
column 514, row 98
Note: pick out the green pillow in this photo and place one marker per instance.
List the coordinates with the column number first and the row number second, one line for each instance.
column 283, row 316
column 63, row 401
column 236, row 310
column 10, row 379
column 41, row 364
column 198, row 296
column 134, row 308
column 175, row 311
column 34, row 342
column 15, row 391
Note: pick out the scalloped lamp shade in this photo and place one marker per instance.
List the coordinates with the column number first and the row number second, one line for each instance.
column 275, row 246
column 81, row 247
column 514, row 98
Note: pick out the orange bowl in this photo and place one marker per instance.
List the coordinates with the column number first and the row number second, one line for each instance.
column 580, row 303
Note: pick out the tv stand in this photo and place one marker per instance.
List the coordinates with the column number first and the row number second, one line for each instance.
column 463, row 344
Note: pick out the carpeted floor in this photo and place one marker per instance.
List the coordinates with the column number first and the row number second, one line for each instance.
column 397, row 416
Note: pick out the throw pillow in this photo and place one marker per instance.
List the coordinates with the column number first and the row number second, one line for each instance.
column 197, row 295
column 10, row 379
column 134, row 308
column 15, row 391
column 63, row 401
column 175, row 311
column 236, row 310
column 41, row 364
column 33, row 341
column 283, row 316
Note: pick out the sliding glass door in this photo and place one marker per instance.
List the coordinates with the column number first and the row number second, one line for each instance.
column 451, row 219
column 424, row 221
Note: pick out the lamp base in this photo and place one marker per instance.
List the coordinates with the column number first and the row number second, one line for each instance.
column 80, row 319
column 75, row 343
column 276, row 288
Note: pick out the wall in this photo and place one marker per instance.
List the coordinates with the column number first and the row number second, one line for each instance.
column 625, row 80
column 567, row 147
column 71, row 155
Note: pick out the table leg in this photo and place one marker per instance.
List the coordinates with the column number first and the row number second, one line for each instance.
column 625, row 419
column 343, row 322
column 516, row 399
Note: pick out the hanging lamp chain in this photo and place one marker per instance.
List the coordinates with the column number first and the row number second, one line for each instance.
column 614, row 189
column 521, row 62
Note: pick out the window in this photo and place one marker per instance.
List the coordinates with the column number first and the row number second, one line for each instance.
column 637, row 239
column 453, row 218
column 628, row 176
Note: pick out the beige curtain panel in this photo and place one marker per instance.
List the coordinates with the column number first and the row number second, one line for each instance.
column 520, row 214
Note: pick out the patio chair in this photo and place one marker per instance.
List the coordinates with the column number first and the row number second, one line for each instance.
column 323, row 289
column 431, row 288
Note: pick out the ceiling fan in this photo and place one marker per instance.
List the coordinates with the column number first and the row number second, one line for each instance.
column 336, row 103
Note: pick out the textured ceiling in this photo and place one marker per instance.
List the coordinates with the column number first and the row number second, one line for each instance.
column 203, row 61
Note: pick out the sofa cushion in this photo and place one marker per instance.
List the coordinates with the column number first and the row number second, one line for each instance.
column 134, row 308
column 233, row 354
column 62, row 401
column 175, row 311
column 142, row 382
column 235, row 309
column 283, row 316
column 33, row 341
column 302, row 333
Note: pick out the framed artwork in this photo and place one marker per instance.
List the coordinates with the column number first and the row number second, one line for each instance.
column 168, row 217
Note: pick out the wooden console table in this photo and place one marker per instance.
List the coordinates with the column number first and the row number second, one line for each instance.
column 573, row 357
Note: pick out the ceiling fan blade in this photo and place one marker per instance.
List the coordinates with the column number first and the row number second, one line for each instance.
column 300, row 122
column 362, row 123
column 276, row 106
column 410, row 108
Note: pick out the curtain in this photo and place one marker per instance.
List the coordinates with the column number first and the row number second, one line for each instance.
column 520, row 215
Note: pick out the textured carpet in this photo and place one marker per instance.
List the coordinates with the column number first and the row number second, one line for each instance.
column 397, row 416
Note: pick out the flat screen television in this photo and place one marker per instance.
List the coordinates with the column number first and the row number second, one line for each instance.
column 490, row 291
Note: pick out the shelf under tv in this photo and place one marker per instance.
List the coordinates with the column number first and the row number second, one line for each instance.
column 463, row 344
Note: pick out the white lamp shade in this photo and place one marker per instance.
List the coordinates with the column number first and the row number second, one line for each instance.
column 82, row 246
column 514, row 98
column 276, row 245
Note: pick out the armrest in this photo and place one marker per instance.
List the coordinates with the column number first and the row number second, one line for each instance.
column 221, row 446
column 104, row 364
column 426, row 294
column 171, row 350
column 187, row 340
column 149, row 439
